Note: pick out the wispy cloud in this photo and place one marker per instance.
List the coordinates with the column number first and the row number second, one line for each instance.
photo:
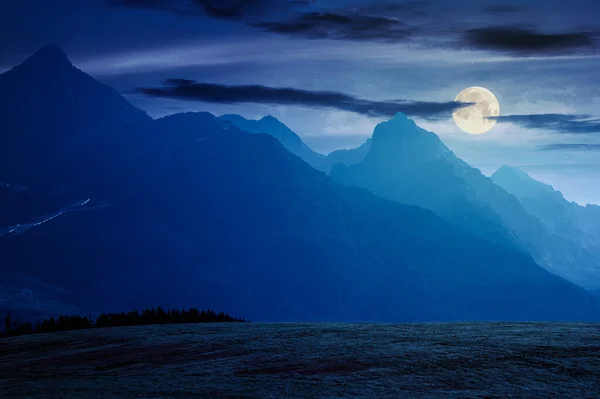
column 560, row 123
column 570, row 147
column 223, row 9
column 208, row 92
column 502, row 8
column 291, row 17
column 317, row 25
column 419, row 23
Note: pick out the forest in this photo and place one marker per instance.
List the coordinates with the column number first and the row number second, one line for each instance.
column 132, row 318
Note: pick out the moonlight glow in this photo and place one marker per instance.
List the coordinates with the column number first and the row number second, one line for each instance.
column 474, row 119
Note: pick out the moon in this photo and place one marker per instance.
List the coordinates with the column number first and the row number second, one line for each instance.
column 474, row 118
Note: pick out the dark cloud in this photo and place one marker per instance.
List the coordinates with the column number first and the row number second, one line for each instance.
column 316, row 25
column 237, row 10
column 380, row 21
column 207, row 92
column 248, row 10
column 570, row 147
column 405, row 9
column 502, row 8
column 292, row 18
column 560, row 123
column 527, row 42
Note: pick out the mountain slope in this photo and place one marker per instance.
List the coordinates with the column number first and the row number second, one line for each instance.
column 549, row 205
column 589, row 219
column 290, row 140
column 350, row 156
column 540, row 200
column 235, row 221
column 570, row 221
column 410, row 165
column 209, row 215
column 59, row 122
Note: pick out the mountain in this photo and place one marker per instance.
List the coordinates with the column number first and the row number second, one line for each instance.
column 540, row 200
column 563, row 217
column 410, row 165
column 579, row 225
column 350, row 156
column 58, row 122
column 589, row 219
column 209, row 215
column 234, row 221
column 290, row 140
column 293, row 143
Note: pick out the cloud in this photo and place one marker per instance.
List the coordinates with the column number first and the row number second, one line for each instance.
column 291, row 17
column 317, row 25
column 248, row 9
column 560, row 123
column 214, row 93
column 526, row 41
column 502, row 8
column 414, row 22
column 570, row 146
column 238, row 10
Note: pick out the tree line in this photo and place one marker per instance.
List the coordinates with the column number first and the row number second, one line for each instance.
column 133, row 318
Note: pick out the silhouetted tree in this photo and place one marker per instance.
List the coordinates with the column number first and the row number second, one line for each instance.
column 133, row 318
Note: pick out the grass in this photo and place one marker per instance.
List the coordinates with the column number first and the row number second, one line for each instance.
column 255, row 360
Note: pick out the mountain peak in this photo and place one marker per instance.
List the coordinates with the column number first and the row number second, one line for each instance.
column 515, row 174
column 506, row 169
column 49, row 56
column 270, row 120
column 401, row 116
column 517, row 182
column 399, row 125
column 401, row 135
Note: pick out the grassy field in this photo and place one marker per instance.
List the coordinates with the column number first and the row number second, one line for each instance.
column 253, row 360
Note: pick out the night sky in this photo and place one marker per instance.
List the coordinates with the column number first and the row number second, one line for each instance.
column 331, row 70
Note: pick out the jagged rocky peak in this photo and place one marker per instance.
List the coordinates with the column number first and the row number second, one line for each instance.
column 400, row 136
column 399, row 127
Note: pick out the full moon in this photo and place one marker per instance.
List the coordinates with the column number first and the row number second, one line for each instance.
column 474, row 118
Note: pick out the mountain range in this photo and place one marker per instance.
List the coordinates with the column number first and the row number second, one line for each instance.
column 565, row 218
column 194, row 210
column 294, row 144
column 410, row 165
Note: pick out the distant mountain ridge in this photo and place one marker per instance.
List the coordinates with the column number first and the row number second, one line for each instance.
column 539, row 199
column 547, row 204
column 350, row 156
column 293, row 143
column 410, row 165
column 574, row 223
column 205, row 214
column 274, row 127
